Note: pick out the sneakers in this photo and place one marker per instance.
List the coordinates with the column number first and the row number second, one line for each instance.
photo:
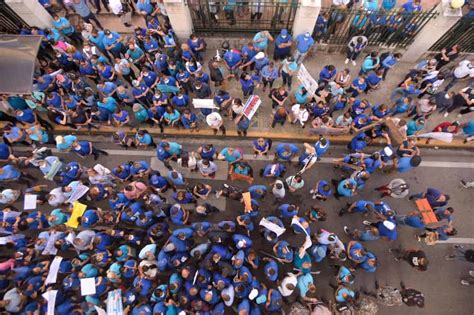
column 365, row 222
column 390, row 250
column 311, row 191
column 346, row 230
column 465, row 282
column 314, row 197
column 353, row 62
column 446, row 115
column 347, row 61
column 341, row 212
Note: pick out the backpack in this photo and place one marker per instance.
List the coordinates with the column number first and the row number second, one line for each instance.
column 412, row 297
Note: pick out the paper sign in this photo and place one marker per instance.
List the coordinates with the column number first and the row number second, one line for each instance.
column 247, row 201
column 53, row 270
column 307, row 80
column 70, row 238
column 30, row 202
column 100, row 311
column 114, row 303
column 78, row 192
column 87, row 286
column 251, row 106
column 77, row 212
column 50, row 249
column 203, row 103
column 50, row 296
column 275, row 228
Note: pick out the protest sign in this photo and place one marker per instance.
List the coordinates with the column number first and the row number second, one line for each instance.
column 251, row 106
column 88, row 286
column 307, row 80
column 114, row 302
column 50, row 297
column 79, row 191
column 30, row 202
column 77, row 212
column 203, row 103
column 53, row 270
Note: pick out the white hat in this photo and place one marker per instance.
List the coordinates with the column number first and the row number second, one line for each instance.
column 169, row 247
column 260, row 55
column 59, row 140
column 253, row 294
column 241, row 243
column 388, row 151
column 389, row 225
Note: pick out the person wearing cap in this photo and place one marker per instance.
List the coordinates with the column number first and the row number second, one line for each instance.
column 304, row 43
column 64, row 143
column 283, row 44
column 113, row 43
column 215, row 121
column 260, row 60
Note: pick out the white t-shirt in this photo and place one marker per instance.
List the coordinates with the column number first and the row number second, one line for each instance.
column 340, row 2
column 289, row 279
column 279, row 193
column 464, row 69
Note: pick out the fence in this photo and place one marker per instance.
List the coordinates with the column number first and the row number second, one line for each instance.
column 10, row 22
column 394, row 29
column 242, row 17
column 462, row 33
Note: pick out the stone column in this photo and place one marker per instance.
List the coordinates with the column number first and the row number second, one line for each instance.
column 432, row 31
column 180, row 18
column 32, row 12
column 306, row 15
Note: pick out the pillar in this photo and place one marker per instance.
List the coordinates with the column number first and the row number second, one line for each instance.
column 306, row 15
column 32, row 12
column 180, row 18
column 432, row 31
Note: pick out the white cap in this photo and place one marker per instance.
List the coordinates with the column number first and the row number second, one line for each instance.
column 253, row 294
column 260, row 55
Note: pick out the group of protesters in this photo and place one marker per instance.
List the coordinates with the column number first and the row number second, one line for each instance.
column 156, row 241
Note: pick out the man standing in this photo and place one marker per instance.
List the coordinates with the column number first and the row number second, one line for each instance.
column 355, row 46
column 304, row 42
column 463, row 71
column 81, row 8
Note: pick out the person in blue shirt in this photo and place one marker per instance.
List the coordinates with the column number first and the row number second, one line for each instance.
column 63, row 25
column 357, row 87
column 388, row 62
column 360, row 206
column 288, row 211
column 304, row 42
column 346, row 188
column 233, row 59
column 405, row 164
column 273, row 170
column 261, row 146
column 247, row 84
column 286, row 151
column 321, row 191
column 230, row 155
column 283, row 252
column 327, row 74
column 412, row 6
column 189, row 120
column 269, row 74
column 283, row 43
column 113, row 43
column 248, row 52
column 10, row 173
column 86, row 148
column 373, row 80
column 149, row 77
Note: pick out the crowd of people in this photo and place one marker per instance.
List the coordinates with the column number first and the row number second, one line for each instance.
column 157, row 237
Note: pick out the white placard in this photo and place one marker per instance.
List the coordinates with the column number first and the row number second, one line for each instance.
column 78, row 192
column 203, row 103
column 50, row 296
column 30, row 202
column 53, row 270
column 307, row 80
column 100, row 311
column 251, row 106
column 275, row 228
column 88, row 286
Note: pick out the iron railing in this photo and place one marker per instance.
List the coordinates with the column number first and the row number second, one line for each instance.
column 395, row 28
column 462, row 33
column 242, row 16
column 10, row 22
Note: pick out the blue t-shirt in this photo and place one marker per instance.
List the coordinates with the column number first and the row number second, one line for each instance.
column 304, row 43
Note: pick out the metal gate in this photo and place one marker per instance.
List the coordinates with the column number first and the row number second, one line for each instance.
column 237, row 16
column 462, row 33
column 10, row 22
column 395, row 28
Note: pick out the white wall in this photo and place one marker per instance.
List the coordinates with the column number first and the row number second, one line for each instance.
column 31, row 11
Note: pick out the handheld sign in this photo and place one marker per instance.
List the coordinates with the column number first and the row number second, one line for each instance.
column 77, row 212
column 307, row 80
column 251, row 106
column 203, row 103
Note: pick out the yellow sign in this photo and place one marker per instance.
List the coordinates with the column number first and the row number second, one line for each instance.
column 77, row 212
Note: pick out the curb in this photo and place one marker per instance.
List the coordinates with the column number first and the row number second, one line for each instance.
column 457, row 143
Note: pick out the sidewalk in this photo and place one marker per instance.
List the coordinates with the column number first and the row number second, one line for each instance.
column 261, row 123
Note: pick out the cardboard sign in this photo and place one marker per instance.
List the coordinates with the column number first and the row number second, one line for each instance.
column 251, row 106
column 204, row 103
column 247, row 201
column 307, row 80
column 77, row 212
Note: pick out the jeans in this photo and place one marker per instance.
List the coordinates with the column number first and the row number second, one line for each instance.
column 299, row 56
column 92, row 17
column 286, row 79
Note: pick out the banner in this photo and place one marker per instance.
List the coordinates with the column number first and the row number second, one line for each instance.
column 251, row 106
column 77, row 212
column 307, row 80
column 78, row 192
column 53, row 270
column 203, row 103
column 114, row 303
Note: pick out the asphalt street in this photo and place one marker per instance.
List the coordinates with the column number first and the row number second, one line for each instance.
column 440, row 169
